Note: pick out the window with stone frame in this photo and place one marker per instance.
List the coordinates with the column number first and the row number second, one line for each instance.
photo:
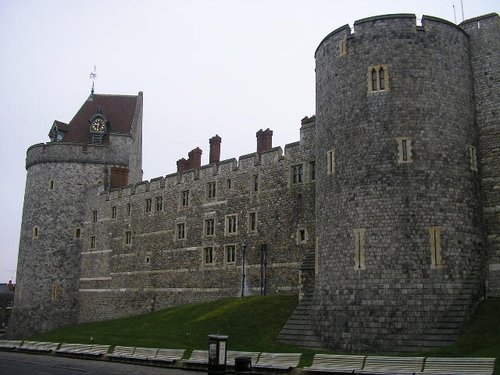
column 312, row 170
column 435, row 234
column 208, row 255
column 94, row 216
column 128, row 237
column 254, row 185
column 378, row 78
column 148, row 205
column 159, row 203
column 211, row 189
column 231, row 224
column 330, row 162
column 359, row 249
column 405, row 150
column 209, row 227
column 35, row 232
column 129, row 209
column 180, row 231
column 252, row 222
column 184, row 198
column 54, row 292
column 93, row 242
column 113, row 212
column 301, row 236
column 51, row 185
column 230, row 254
column 296, row 173
column 343, row 47
column 472, row 158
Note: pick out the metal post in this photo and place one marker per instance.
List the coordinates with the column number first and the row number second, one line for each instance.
column 243, row 266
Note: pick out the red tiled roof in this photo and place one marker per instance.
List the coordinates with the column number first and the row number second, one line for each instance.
column 118, row 110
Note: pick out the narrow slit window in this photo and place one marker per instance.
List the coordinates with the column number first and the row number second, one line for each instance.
column 435, row 234
column 159, row 203
column 473, row 158
column 35, row 232
column 381, row 75
column 181, row 231
column 359, row 249
column 78, row 233
column 330, row 162
column 405, row 152
column 128, row 237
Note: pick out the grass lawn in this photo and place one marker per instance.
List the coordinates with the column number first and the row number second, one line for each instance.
column 252, row 324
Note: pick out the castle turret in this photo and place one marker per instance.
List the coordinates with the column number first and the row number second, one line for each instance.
column 484, row 33
column 398, row 208
column 99, row 146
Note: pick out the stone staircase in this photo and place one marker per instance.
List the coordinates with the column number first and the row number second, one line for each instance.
column 446, row 330
column 298, row 329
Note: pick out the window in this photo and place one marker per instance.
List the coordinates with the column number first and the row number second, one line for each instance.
column 252, row 222
column 78, row 233
column 148, row 205
column 159, row 203
column 185, row 198
column 435, row 238
column 330, row 162
column 211, row 189
column 208, row 255
column 128, row 237
column 405, row 154
column 35, row 232
column 92, row 242
column 231, row 226
column 129, row 209
column 343, row 47
column 53, row 292
column 94, row 216
column 378, row 78
column 297, row 174
column 229, row 183
column 255, row 184
column 359, row 249
column 147, row 260
column 51, row 184
column 301, row 236
column 113, row 212
column 209, row 227
column 472, row 158
column 230, row 254
column 180, row 231
column 312, row 171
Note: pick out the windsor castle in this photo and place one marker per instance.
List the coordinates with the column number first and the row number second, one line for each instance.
column 385, row 212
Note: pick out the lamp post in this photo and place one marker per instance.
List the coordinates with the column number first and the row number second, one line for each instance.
column 243, row 266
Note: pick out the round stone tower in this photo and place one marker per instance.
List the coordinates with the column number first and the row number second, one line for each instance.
column 99, row 146
column 398, row 205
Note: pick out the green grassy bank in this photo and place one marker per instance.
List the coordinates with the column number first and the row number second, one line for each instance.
column 252, row 324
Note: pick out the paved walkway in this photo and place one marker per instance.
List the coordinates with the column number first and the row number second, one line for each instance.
column 13, row 363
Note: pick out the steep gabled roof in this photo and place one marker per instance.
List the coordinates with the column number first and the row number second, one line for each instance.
column 118, row 110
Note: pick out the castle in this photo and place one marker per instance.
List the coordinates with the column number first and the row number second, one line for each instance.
column 392, row 193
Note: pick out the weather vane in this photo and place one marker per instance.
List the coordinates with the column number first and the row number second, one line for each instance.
column 92, row 76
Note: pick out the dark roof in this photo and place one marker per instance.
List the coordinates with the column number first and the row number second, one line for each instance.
column 117, row 109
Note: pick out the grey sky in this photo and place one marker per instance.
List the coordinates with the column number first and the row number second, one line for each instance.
column 206, row 67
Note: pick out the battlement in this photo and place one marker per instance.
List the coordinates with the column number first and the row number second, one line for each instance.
column 387, row 25
column 59, row 152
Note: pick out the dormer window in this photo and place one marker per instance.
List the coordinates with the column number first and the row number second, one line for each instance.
column 98, row 128
column 58, row 131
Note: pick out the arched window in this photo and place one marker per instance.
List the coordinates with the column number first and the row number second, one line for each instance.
column 35, row 232
column 381, row 74
column 374, row 80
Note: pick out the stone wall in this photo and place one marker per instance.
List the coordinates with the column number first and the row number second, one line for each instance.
column 378, row 284
column 157, row 270
column 485, row 47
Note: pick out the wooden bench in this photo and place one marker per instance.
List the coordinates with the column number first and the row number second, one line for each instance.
column 122, row 352
column 198, row 357
column 278, row 361
column 98, row 350
column 336, row 363
column 232, row 355
column 39, row 346
column 392, row 365
column 144, row 354
column 74, row 348
column 169, row 355
column 10, row 344
column 473, row 366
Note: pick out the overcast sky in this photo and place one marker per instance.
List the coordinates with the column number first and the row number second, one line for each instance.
column 206, row 67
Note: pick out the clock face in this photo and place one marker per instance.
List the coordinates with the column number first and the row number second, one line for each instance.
column 98, row 125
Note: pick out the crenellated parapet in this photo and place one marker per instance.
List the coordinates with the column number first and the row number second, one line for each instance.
column 56, row 152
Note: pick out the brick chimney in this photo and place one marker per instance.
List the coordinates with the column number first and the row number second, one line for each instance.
column 182, row 165
column 264, row 140
column 215, row 142
column 194, row 160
